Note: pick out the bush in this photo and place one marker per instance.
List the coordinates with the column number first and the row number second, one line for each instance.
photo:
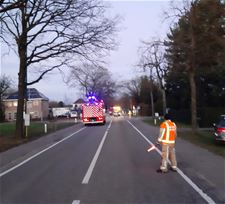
column 2, row 114
column 182, row 116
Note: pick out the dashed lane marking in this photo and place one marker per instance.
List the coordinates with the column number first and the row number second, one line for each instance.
column 76, row 202
column 95, row 158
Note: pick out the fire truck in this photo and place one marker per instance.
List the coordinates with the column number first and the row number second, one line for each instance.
column 93, row 111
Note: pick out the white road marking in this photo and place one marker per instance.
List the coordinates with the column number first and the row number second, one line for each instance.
column 95, row 158
column 186, row 178
column 37, row 154
column 76, row 202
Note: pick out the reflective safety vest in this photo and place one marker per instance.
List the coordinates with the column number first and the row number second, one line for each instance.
column 167, row 132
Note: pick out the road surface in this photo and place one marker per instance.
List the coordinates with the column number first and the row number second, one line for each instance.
column 109, row 164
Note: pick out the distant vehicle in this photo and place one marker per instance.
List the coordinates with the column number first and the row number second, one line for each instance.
column 220, row 129
column 117, row 111
column 116, row 114
column 64, row 115
column 73, row 114
column 60, row 112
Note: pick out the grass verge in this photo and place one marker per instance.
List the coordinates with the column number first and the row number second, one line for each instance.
column 35, row 130
column 203, row 138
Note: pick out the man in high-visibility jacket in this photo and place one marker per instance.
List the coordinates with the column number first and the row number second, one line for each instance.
column 167, row 137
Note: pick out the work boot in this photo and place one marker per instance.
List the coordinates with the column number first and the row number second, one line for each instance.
column 161, row 171
column 173, row 169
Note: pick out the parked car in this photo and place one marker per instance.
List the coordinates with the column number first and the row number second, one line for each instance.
column 73, row 114
column 220, row 129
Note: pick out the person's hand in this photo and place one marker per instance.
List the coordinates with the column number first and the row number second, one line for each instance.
column 157, row 143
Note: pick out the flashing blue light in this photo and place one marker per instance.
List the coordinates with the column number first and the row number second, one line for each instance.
column 92, row 98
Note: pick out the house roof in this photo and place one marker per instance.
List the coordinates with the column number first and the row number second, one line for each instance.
column 80, row 100
column 32, row 93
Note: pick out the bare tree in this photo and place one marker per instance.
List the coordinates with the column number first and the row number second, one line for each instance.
column 93, row 78
column 7, row 5
column 143, row 65
column 5, row 84
column 134, row 88
column 152, row 58
column 47, row 34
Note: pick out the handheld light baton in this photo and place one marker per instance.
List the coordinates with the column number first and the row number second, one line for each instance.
column 151, row 148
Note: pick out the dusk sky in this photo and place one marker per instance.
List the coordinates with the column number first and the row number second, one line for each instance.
column 142, row 20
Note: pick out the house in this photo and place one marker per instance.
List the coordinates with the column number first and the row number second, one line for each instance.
column 78, row 104
column 37, row 105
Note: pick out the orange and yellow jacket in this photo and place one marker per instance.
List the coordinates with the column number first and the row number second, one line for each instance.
column 168, row 132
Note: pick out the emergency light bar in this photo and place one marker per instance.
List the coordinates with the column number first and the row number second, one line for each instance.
column 92, row 97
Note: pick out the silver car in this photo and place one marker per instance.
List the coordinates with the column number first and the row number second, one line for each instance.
column 73, row 114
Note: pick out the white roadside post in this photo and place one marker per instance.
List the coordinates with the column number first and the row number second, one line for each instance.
column 46, row 127
column 26, row 122
column 156, row 116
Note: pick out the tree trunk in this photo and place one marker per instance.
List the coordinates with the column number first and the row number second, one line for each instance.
column 21, row 98
column 164, row 101
column 193, row 102
column 22, row 84
column 192, row 69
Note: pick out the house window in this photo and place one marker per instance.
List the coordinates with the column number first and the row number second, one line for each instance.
column 15, row 103
column 35, row 103
column 14, row 116
column 29, row 104
column 10, row 116
column 35, row 114
column 9, row 104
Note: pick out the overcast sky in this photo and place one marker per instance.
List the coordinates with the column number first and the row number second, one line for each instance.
column 142, row 20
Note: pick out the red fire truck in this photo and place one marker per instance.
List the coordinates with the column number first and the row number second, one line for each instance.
column 93, row 111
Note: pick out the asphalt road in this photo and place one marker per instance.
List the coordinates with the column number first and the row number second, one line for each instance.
column 110, row 164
